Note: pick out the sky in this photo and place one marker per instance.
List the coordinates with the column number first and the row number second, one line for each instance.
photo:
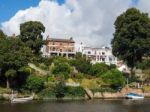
column 87, row 21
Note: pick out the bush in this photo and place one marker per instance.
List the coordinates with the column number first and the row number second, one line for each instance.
column 1, row 97
column 61, row 68
column 98, row 69
column 114, row 78
column 75, row 91
column 146, row 88
column 35, row 83
column 47, row 93
column 43, row 66
column 89, row 83
column 60, row 90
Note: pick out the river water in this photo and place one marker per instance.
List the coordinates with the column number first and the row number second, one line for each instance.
column 123, row 105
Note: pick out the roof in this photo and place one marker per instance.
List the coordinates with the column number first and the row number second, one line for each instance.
column 61, row 40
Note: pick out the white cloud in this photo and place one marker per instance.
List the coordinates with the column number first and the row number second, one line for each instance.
column 89, row 21
column 144, row 5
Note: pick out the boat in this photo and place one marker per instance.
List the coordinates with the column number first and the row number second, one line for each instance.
column 23, row 99
column 134, row 96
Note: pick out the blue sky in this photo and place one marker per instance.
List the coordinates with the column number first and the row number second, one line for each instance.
column 8, row 8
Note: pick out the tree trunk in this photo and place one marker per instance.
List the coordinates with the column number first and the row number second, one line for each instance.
column 8, row 84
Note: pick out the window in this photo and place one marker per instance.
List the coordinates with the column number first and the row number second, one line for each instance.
column 103, row 59
column 53, row 48
column 89, row 52
column 103, row 53
column 53, row 43
column 60, row 43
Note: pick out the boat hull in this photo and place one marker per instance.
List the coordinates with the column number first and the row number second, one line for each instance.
column 134, row 96
column 15, row 100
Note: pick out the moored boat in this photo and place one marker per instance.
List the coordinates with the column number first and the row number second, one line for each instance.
column 134, row 96
column 19, row 100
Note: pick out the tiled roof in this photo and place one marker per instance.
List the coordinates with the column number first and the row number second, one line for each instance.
column 61, row 40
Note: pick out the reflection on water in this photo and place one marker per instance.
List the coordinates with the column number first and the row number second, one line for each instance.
column 78, row 106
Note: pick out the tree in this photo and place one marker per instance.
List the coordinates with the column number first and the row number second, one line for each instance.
column 60, row 89
column 31, row 34
column 131, row 40
column 98, row 69
column 35, row 83
column 2, row 35
column 13, row 55
column 61, row 68
column 82, row 64
column 114, row 78
column 10, row 74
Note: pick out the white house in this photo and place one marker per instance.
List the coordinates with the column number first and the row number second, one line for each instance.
column 98, row 55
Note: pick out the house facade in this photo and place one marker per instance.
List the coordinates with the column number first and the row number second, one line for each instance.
column 98, row 55
column 59, row 47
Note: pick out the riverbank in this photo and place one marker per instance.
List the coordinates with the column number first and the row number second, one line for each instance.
column 88, row 95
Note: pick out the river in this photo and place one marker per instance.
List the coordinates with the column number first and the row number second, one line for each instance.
column 78, row 106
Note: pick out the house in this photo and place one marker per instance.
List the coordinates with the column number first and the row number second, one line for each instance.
column 98, row 55
column 59, row 47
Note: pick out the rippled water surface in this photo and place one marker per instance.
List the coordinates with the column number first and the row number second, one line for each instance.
column 78, row 106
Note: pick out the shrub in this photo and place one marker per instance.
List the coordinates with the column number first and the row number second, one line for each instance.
column 114, row 78
column 47, row 93
column 98, row 69
column 51, row 78
column 43, row 66
column 35, row 83
column 60, row 90
column 89, row 83
column 75, row 91
column 61, row 68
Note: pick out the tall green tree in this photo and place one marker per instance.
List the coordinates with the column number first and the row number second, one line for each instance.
column 2, row 35
column 114, row 78
column 31, row 34
column 14, row 54
column 131, row 40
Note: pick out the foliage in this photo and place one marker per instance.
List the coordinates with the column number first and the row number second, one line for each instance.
column 146, row 88
column 60, row 89
column 47, row 93
column 5, row 90
column 112, row 66
column 80, row 75
column 94, row 90
column 61, row 68
column 89, row 83
column 131, row 38
column 1, row 98
column 13, row 54
column 145, row 64
column 114, row 78
column 43, row 66
column 81, row 63
column 2, row 35
column 31, row 34
column 51, row 78
column 10, row 73
column 35, row 83
column 98, row 69
column 75, row 91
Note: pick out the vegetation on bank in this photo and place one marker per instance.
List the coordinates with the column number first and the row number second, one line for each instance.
column 17, row 52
